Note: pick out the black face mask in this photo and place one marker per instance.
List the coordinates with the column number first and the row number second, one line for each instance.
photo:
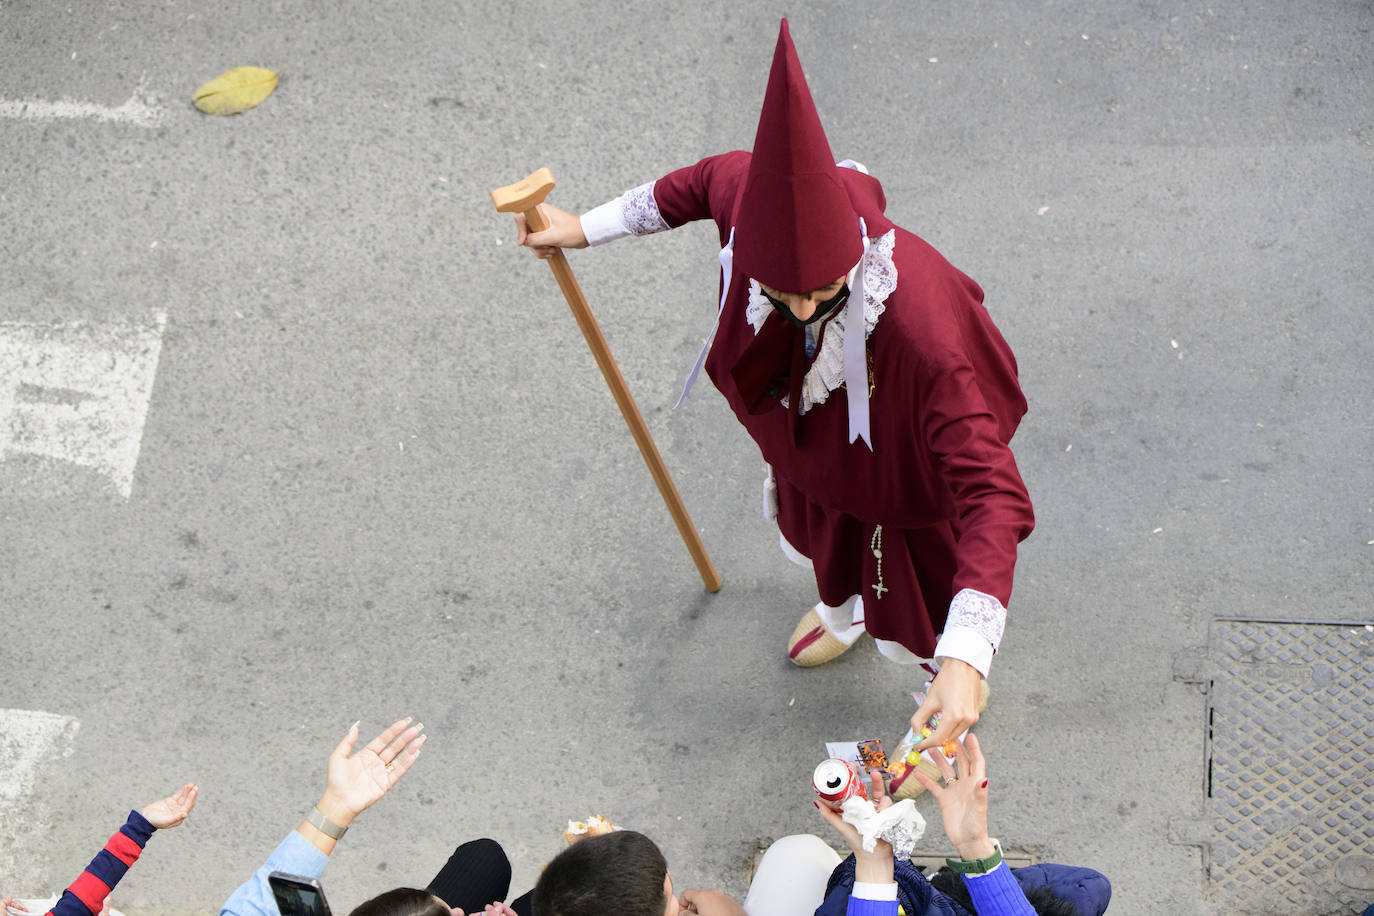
column 822, row 308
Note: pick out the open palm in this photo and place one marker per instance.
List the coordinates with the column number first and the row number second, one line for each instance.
column 357, row 780
column 172, row 810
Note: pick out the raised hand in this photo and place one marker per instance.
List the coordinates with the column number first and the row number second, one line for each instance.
column 172, row 811
column 356, row 781
column 963, row 799
column 875, row 866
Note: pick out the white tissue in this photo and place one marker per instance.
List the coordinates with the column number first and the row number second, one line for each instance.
column 901, row 825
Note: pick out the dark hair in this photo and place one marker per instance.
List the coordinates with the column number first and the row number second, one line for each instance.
column 403, row 901
column 620, row 872
column 1040, row 897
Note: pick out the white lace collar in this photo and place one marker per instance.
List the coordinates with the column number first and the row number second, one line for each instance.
column 827, row 371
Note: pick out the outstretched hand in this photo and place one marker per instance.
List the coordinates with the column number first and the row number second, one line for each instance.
column 963, row 799
column 564, row 231
column 173, row 810
column 954, row 695
column 356, row 781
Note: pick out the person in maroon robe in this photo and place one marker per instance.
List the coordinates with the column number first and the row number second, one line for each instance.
column 875, row 383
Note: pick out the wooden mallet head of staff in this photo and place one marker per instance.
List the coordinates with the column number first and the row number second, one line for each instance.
column 525, row 197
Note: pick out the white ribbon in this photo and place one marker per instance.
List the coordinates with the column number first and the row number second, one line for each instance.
column 855, row 353
column 727, row 268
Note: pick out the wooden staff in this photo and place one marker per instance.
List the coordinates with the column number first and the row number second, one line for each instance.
column 525, row 197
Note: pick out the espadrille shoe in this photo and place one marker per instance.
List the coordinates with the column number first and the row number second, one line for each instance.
column 813, row 644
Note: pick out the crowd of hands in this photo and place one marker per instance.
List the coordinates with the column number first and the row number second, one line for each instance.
column 963, row 797
column 357, row 780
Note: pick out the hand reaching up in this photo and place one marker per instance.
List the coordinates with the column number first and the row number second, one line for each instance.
column 357, row 780
column 173, row 810
column 963, row 799
column 875, row 866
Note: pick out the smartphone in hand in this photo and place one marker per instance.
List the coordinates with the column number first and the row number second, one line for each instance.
column 297, row 896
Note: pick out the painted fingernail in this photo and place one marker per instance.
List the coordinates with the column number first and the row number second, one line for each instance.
column 983, row 784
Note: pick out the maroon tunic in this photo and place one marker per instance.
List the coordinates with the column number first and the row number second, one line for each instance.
column 944, row 404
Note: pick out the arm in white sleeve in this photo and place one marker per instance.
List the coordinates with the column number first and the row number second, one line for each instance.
column 973, row 629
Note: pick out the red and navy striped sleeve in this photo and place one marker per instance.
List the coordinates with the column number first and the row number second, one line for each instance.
column 87, row 893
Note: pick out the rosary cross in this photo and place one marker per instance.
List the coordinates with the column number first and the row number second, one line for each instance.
column 876, row 545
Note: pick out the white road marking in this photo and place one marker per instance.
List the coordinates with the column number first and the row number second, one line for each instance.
column 78, row 392
column 28, row 739
column 139, row 110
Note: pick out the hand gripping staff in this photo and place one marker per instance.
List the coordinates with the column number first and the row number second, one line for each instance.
column 525, row 197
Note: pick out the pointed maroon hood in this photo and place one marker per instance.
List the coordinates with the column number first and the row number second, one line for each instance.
column 796, row 230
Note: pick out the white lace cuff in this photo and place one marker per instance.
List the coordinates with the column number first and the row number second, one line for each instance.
column 633, row 213
column 973, row 629
column 639, row 211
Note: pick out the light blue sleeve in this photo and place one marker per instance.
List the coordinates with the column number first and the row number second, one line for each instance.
column 295, row 856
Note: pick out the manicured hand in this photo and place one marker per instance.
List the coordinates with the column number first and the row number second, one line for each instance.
column 564, row 231
column 356, row 781
column 954, row 695
column 963, row 799
column 172, row 810
column 709, row 903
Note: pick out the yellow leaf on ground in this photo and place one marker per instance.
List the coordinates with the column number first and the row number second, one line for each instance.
column 235, row 90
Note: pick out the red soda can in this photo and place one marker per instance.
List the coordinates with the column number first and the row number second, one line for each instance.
column 835, row 780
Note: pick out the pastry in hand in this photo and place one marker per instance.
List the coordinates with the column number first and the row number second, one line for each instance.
column 580, row 830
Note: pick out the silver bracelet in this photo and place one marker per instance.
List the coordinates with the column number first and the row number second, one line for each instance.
column 324, row 825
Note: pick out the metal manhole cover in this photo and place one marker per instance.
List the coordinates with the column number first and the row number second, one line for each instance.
column 1290, row 721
